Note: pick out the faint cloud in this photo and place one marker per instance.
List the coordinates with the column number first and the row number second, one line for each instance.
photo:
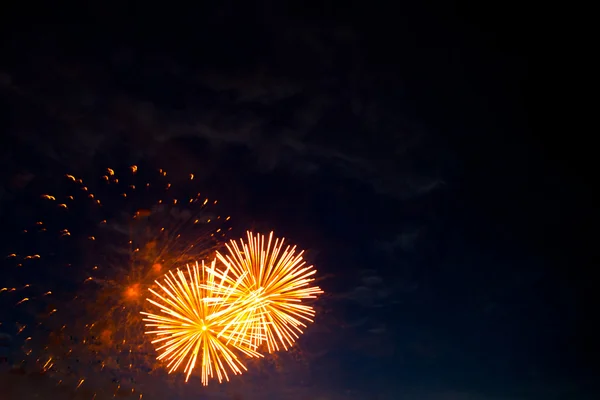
column 405, row 241
column 299, row 116
column 372, row 280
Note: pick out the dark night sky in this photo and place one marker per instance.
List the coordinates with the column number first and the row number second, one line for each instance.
column 393, row 143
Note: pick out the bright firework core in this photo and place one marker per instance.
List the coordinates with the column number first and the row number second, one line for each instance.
column 183, row 332
column 253, row 298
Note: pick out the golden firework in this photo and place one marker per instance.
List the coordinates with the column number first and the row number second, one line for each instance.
column 263, row 286
column 193, row 326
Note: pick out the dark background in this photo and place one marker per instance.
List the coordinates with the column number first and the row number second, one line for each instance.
column 394, row 143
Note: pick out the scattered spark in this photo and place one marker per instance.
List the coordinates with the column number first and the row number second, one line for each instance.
column 46, row 364
column 152, row 253
column 23, row 301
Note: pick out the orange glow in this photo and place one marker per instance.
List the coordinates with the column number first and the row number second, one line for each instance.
column 106, row 336
column 133, row 292
column 143, row 213
column 157, row 267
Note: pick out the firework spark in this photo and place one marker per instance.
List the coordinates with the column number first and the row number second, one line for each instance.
column 264, row 286
column 192, row 325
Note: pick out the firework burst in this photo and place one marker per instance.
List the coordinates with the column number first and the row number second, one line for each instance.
column 193, row 325
column 264, row 286
column 89, row 251
column 86, row 253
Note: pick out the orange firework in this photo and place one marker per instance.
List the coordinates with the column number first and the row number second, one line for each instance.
column 193, row 325
column 263, row 287
column 82, row 261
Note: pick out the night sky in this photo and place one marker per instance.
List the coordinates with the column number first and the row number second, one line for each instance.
column 393, row 143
